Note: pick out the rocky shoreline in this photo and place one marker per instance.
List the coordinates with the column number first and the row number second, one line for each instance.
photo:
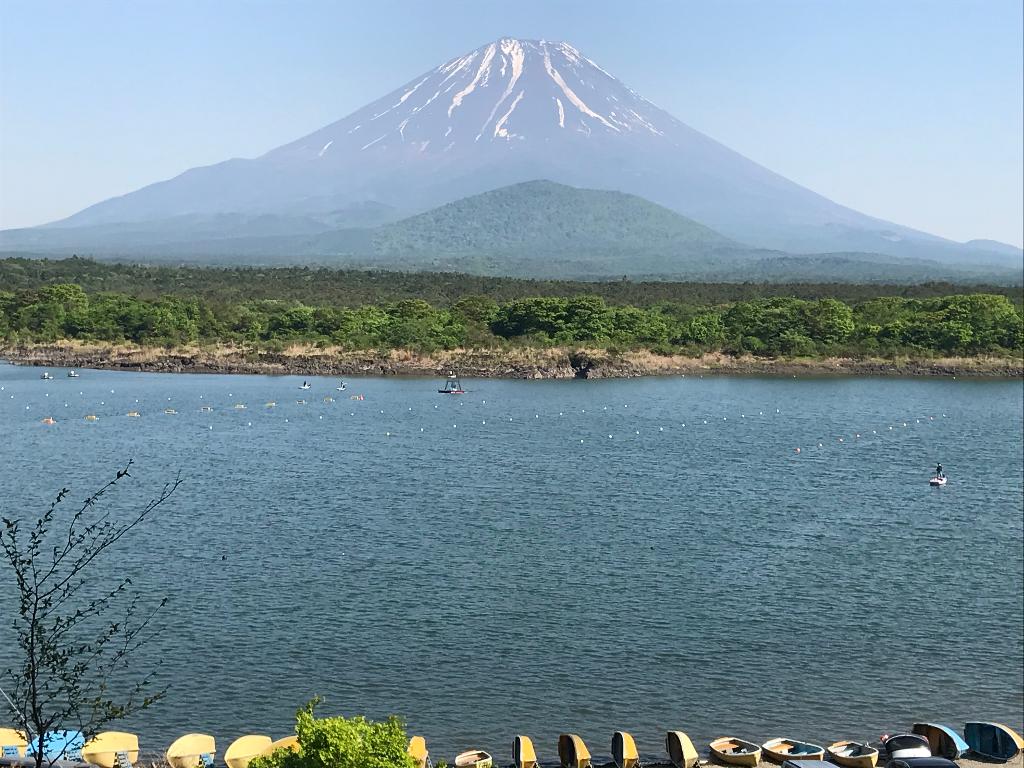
column 513, row 363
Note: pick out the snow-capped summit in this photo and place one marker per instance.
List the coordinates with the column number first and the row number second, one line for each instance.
column 509, row 90
column 512, row 111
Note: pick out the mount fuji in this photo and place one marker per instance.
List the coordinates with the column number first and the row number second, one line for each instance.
column 509, row 112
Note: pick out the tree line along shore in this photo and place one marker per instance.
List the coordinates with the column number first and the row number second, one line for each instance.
column 961, row 325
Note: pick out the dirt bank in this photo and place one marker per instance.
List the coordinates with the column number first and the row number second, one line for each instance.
column 516, row 363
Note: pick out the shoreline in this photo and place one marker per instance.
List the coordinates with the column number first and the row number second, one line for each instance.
column 515, row 363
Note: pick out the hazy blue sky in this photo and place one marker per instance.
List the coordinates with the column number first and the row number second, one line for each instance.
column 907, row 110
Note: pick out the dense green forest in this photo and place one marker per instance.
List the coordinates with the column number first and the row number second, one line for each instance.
column 354, row 288
column 956, row 325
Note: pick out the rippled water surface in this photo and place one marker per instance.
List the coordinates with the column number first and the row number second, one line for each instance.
column 534, row 557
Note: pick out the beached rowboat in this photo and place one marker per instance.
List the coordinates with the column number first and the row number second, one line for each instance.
column 12, row 743
column 474, row 758
column 418, row 752
column 993, row 740
column 903, row 745
column 523, row 753
column 735, row 751
column 942, row 740
column 853, row 754
column 103, row 748
column 572, row 752
column 781, row 750
column 191, row 750
column 245, row 749
column 680, row 750
column 624, row 750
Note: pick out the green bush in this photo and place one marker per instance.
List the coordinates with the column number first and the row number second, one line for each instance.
column 341, row 742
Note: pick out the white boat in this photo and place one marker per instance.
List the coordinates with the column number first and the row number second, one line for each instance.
column 72, row 375
column 46, row 376
column 474, row 758
column 305, row 385
column 342, row 388
column 938, row 481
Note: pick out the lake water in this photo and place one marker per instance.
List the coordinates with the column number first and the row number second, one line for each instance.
column 538, row 557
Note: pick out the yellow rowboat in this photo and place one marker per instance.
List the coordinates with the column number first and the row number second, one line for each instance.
column 474, row 758
column 12, row 743
column 733, row 751
column 244, row 749
column 523, row 753
column 134, row 414
column 418, row 752
column 853, row 754
column 103, row 748
column 624, row 750
column 572, row 752
column 92, row 417
column 681, row 750
column 192, row 750
column 781, row 750
column 291, row 743
column 271, row 404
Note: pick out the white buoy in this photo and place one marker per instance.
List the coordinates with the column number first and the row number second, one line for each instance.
column 211, row 426
column 661, row 429
column 483, row 422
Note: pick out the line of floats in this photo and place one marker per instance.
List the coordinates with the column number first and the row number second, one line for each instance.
column 928, row 745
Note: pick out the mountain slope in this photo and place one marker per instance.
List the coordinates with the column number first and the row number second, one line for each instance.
column 508, row 112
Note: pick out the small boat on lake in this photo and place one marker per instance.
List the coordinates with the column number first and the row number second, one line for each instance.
column 680, row 750
column 206, row 409
column 73, row 375
column 418, row 752
column 245, row 749
column 937, row 482
column 305, row 385
column 49, row 420
column 993, row 740
column 733, row 751
column 474, row 758
column 134, row 414
column 170, row 412
column 452, row 386
column 853, row 754
column 781, row 750
column 92, row 417
column 46, row 376
column 192, row 750
column 942, row 740
column 523, row 753
column 572, row 752
column 105, row 749
column 903, row 745
column 624, row 750
column 342, row 387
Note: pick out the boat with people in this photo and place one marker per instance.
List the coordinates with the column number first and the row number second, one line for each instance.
column 72, row 375
column 342, row 387
column 305, row 385
column 939, row 478
column 46, row 376
column 49, row 420
column 735, row 751
column 452, row 386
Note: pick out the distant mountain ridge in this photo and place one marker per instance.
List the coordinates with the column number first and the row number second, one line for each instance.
column 533, row 229
column 508, row 112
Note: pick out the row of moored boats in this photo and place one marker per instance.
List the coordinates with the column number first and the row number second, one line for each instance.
column 929, row 745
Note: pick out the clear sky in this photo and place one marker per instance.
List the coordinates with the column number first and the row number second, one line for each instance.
column 909, row 110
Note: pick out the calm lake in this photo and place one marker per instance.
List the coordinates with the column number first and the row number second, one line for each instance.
column 538, row 557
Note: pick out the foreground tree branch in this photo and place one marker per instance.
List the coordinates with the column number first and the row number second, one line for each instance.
column 75, row 635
